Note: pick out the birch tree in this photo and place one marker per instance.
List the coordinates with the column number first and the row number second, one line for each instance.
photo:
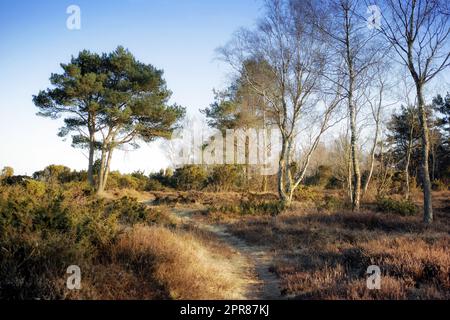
column 355, row 55
column 418, row 31
column 292, row 84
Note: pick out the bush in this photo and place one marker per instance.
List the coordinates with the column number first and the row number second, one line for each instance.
column 305, row 193
column 225, row 177
column 321, row 178
column 164, row 177
column 191, row 177
column 330, row 203
column 439, row 185
column 272, row 208
column 402, row 207
column 136, row 181
column 154, row 185
column 131, row 212
column 6, row 172
column 250, row 205
column 59, row 174
column 44, row 228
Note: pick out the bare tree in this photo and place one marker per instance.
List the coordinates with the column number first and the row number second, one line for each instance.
column 376, row 110
column 378, row 104
column 354, row 47
column 293, row 82
column 418, row 30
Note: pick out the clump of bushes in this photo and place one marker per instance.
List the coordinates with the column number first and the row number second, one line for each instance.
column 401, row 207
column 305, row 193
column 225, row 177
column 191, row 177
column 261, row 207
column 330, row 203
column 46, row 227
column 136, row 181
column 439, row 185
column 321, row 177
column 154, row 185
column 250, row 205
column 59, row 174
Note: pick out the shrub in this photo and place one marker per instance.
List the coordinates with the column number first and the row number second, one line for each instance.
column 225, row 177
column 250, row 206
column 164, row 177
column 330, row 203
column 272, row 208
column 191, row 177
column 305, row 193
column 44, row 228
column 154, row 185
column 401, row 207
column 136, row 181
column 58, row 174
column 321, row 178
column 130, row 211
column 6, row 172
column 439, row 185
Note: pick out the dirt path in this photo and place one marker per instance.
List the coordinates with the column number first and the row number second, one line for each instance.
column 254, row 260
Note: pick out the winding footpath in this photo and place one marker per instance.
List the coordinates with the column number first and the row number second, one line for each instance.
column 254, row 261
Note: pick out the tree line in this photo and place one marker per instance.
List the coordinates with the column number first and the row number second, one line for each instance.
column 308, row 65
column 306, row 68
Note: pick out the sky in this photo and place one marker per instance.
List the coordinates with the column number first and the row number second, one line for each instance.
column 178, row 36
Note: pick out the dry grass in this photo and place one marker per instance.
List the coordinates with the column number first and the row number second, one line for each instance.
column 115, row 281
column 157, row 263
column 195, row 197
column 326, row 255
column 119, row 193
column 180, row 263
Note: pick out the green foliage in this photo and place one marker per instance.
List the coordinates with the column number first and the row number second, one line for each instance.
column 321, row 177
column 154, row 185
column 6, row 172
column 401, row 207
column 114, row 93
column 250, row 205
column 59, row 174
column 128, row 210
column 46, row 227
column 305, row 193
column 330, row 203
column 163, row 177
column 225, row 177
column 126, row 181
column 439, row 185
column 261, row 207
column 190, row 177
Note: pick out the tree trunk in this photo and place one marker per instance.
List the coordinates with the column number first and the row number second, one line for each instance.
column 349, row 178
column 352, row 112
column 354, row 157
column 100, row 182
column 90, row 172
column 264, row 184
column 372, row 158
column 408, row 160
column 107, row 169
column 427, row 197
column 282, row 172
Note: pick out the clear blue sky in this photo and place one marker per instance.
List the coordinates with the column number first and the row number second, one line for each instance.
column 178, row 36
